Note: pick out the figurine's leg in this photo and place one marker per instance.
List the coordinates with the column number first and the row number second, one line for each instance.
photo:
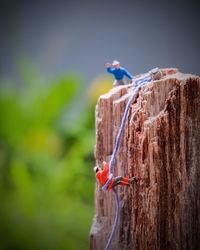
column 125, row 181
column 134, row 179
column 121, row 181
column 115, row 83
column 117, row 181
column 118, row 82
column 121, row 82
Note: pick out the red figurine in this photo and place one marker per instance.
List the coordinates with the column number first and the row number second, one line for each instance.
column 102, row 177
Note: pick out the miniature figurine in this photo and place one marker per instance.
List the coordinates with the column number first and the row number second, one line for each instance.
column 118, row 72
column 102, row 177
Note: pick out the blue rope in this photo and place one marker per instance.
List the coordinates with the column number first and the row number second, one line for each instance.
column 123, row 122
column 115, row 220
column 139, row 83
column 144, row 79
column 118, row 139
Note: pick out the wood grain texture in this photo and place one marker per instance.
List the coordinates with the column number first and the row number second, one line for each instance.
column 161, row 142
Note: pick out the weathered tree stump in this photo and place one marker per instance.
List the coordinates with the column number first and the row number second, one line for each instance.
column 161, row 142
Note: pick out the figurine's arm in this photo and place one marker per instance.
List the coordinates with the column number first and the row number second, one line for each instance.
column 110, row 70
column 126, row 73
column 105, row 167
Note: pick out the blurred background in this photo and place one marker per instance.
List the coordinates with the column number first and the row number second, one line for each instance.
column 51, row 74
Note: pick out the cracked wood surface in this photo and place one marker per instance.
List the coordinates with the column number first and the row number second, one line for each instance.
column 161, row 142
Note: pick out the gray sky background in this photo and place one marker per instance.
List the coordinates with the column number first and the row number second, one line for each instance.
column 80, row 36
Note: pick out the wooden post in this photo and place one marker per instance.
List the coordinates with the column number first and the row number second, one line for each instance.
column 161, row 142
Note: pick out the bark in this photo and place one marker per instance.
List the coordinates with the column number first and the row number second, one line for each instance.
column 161, row 143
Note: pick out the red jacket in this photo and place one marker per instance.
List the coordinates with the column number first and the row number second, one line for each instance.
column 102, row 176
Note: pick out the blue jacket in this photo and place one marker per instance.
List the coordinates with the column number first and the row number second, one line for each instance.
column 119, row 73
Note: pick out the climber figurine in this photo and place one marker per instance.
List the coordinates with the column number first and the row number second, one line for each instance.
column 118, row 73
column 102, row 177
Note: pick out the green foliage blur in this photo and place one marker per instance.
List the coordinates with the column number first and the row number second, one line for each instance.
column 46, row 160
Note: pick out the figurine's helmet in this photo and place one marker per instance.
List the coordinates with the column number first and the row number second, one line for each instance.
column 115, row 62
column 96, row 169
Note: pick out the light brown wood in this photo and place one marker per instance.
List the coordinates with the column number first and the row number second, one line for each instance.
column 161, row 141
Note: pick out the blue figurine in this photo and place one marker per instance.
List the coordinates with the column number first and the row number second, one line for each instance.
column 118, row 73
